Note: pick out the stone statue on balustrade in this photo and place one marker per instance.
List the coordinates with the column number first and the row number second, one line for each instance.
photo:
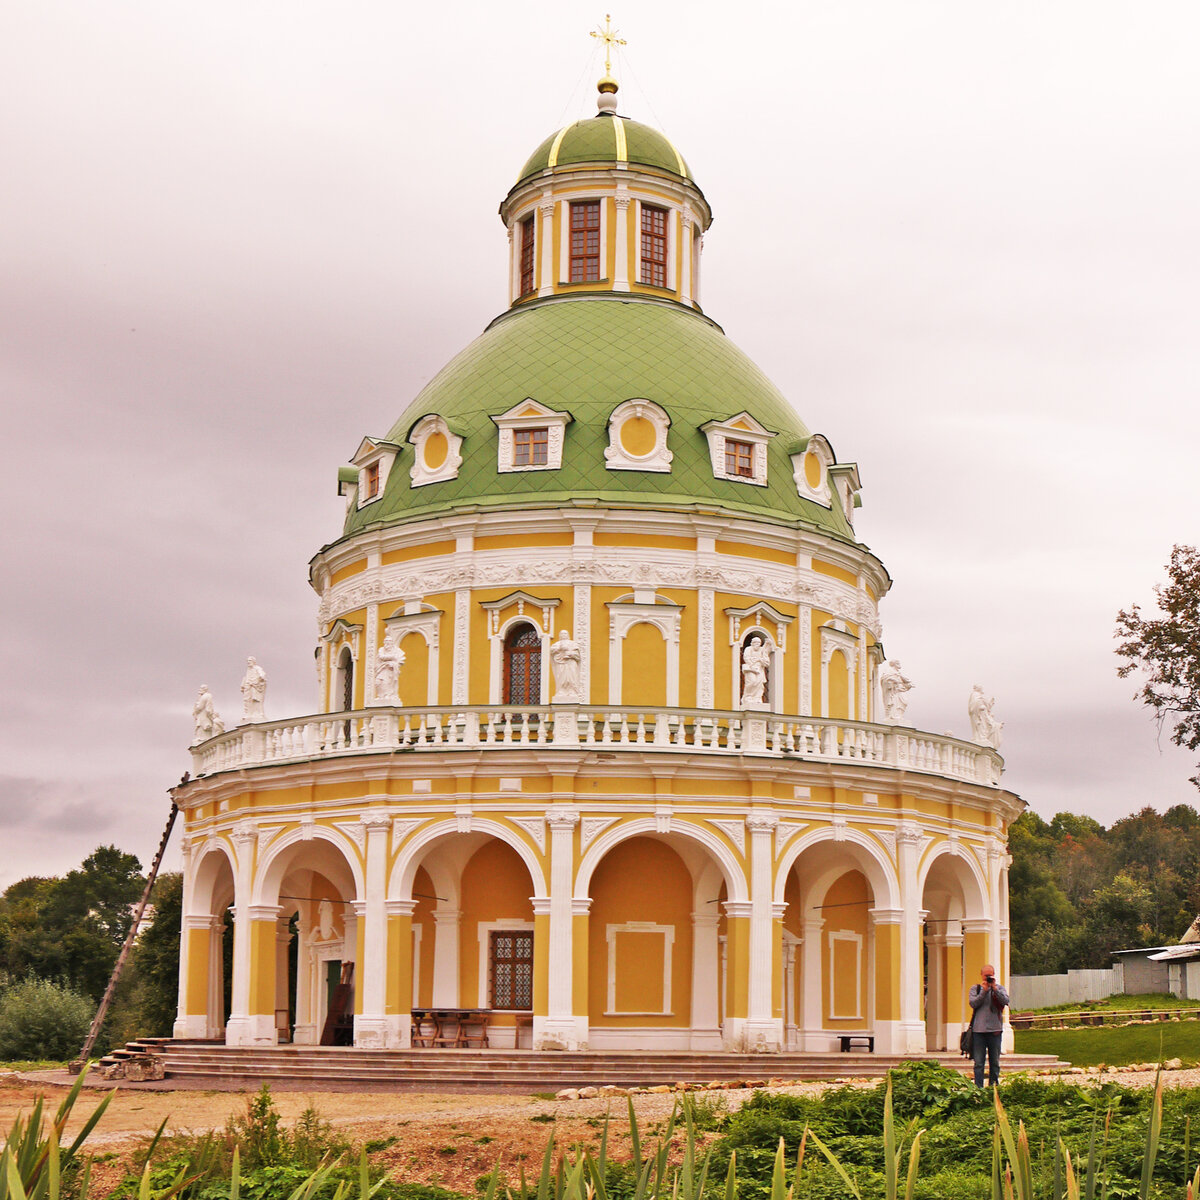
column 985, row 729
column 388, row 661
column 254, row 691
column 206, row 720
column 566, row 658
column 756, row 658
column 893, row 684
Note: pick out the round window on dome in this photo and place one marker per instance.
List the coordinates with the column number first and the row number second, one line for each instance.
column 435, row 450
column 637, row 438
column 813, row 468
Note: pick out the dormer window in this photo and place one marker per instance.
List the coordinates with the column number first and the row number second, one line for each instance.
column 585, row 241
column 372, row 462
column 531, row 437
column 739, row 458
column 654, row 246
column 438, row 451
column 737, row 448
column 531, row 447
column 527, row 260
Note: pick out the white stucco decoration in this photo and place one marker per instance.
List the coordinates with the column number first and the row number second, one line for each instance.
column 985, row 729
column 206, row 719
column 811, row 463
column 388, row 661
column 254, row 691
column 530, row 414
column 565, row 658
column 893, row 686
column 629, row 416
column 438, row 453
column 741, row 427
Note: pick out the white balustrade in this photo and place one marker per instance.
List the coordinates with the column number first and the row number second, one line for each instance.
column 663, row 730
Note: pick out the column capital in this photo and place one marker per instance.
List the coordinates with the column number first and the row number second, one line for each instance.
column 376, row 822
column 262, row 912
column 909, row 834
column 886, row 916
column 200, row 921
column 581, row 906
column 562, row 818
column 244, row 832
column 540, row 905
column 399, row 908
column 777, row 911
column 976, row 925
column 446, row 916
column 737, row 908
column 761, row 822
column 359, row 906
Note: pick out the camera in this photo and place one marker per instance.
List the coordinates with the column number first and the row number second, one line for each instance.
column 989, row 978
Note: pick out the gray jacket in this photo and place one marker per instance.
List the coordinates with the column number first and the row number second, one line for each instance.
column 986, row 1019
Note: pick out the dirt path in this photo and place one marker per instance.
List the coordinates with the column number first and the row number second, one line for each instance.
column 443, row 1139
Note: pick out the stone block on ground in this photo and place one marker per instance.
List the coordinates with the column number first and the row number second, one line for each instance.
column 588, row 1093
column 142, row 1067
column 567, row 1094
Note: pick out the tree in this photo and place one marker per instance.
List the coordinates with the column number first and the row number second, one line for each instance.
column 1167, row 648
column 156, row 957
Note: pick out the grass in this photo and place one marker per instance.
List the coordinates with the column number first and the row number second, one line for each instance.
column 33, row 1065
column 1156, row 1001
column 1115, row 1046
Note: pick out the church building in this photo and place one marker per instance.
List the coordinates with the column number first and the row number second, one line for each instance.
column 605, row 752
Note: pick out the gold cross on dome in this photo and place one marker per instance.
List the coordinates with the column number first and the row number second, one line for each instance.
column 608, row 36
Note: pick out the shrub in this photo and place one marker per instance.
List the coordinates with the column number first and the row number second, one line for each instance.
column 43, row 1020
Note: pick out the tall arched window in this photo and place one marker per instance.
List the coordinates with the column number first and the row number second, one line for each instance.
column 523, row 665
column 344, row 688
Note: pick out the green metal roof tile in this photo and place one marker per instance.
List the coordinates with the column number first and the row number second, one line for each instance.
column 587, row 355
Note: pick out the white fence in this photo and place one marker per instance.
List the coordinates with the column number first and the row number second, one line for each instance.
column 1044, row 991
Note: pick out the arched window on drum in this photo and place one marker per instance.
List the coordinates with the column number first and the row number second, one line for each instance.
column 523, row 666
column 343, row 688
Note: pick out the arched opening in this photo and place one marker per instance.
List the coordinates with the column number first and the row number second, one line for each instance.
column 840, row 950
column 204, row 1001
column 522, row 682
column 762, row 657
column 472, row 942
column 303, row 968
column 644, row 666
column 950, row 896
column 655, row 938
column 343, row 687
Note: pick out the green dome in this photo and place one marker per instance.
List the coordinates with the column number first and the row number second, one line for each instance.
column 598, row 140
column 586, row 355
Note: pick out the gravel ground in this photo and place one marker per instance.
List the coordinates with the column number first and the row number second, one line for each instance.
column 444, row 1139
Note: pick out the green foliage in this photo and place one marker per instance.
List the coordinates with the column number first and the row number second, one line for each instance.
column 1167, row 649
column 1115, row 1046
column 40, row 1019
column 156, row 959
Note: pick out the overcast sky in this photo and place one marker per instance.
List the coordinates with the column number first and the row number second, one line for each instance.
column 963, row 238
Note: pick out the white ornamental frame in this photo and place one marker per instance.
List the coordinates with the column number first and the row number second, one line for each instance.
column 741, row 427
column 856, row 940
column 818, row 446
column 623, row 615
column 833, row 639
column 667, row 933
column 743, row 622
column 341, row 633
column 419, row 436
column 658, row 458
column 426, row 621
column 519, row 417
column 498, row 630
column 371, row 451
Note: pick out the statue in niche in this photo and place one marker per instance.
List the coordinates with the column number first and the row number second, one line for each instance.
column 388, row 661
column 567, row 661
column 325, row 921
column 254, row 691
column 204, row 716
column 985, row 729
column 893, row 684
column 756, row 658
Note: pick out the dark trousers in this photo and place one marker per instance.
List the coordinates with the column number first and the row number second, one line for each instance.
column 987, row 1044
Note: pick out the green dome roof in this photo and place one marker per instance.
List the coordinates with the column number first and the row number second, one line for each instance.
column 604, row 139
column 586, row 355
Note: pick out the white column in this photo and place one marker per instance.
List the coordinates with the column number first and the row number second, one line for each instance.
column 372, row 1027
column 445, row 957
column 305, row 1031
column 546, row 209
column 462, row 646
column 912, row 970
column 706, row 980
column 561, row 1028
column 283, row 936
column 242, row 1029
column 514, row 263
column 812, row 1018
column 215, row 1017
column 621, row 280
column 685, row 252
column 763, row 1028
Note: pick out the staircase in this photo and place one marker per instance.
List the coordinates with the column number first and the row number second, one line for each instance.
column 337, row 1068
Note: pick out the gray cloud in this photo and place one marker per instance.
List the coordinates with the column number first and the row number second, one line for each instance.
column 962, row 240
